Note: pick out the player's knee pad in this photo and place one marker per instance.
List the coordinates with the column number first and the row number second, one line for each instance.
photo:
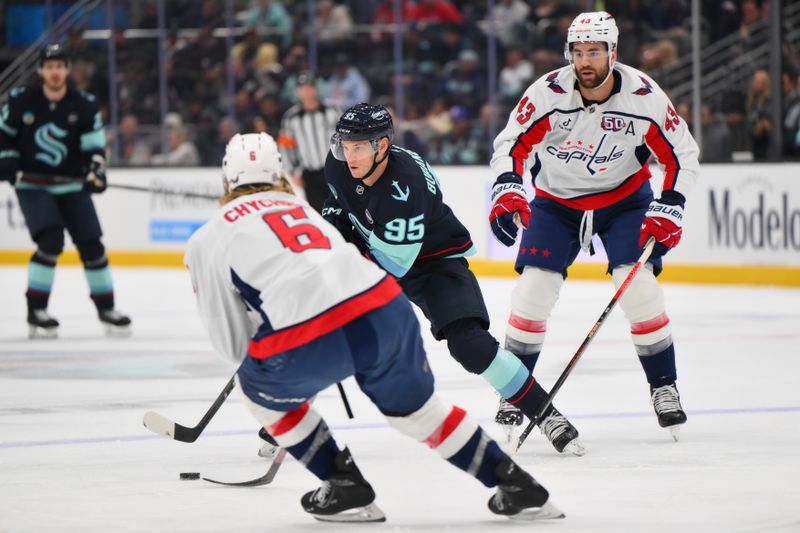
column 92, row 252
column 532, row 301
column 643, row 305
column 444, row 427
column 49, row 244
column 286, row 427
column 470, row 344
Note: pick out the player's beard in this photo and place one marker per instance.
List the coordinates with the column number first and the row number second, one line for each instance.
column 599, row 77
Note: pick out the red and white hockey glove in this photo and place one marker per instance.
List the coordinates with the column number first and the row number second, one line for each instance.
column 508, row 199
column 662, row 221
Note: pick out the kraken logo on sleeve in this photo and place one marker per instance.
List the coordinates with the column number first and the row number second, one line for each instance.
column 53, row 151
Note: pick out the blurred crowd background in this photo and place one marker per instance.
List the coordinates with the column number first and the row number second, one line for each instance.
column 177, row 78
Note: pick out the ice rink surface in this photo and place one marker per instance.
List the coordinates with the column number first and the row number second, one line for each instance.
column 74, row 456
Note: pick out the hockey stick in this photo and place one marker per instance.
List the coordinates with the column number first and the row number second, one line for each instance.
column 266, row 479
column 344, row 400
column 648, row 249
column 163, row 426
column 186, row 194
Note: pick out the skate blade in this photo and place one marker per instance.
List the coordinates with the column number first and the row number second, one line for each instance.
column 368, row 513
column 119, row 332
column 36, row 332
column 575, row 448
column 548, row 511
column 512, row 433
column 675, row 431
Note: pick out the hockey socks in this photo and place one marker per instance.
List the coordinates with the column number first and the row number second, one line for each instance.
column 305, row 435
column 41, row 272
column 479, row 457
column 508, row 375
column 101, row 288
column 659, row 367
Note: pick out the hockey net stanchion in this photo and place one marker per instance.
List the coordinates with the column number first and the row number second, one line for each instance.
column 648, row 249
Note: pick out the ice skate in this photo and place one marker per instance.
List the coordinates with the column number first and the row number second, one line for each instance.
column 116, row 324
column 41, row 325
column 667, row 405
column 508, row 417
column 269, row 447
column 519, row 496
column 561, row 433
column 344, row 497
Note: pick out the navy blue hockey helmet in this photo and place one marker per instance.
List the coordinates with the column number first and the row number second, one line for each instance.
column 53, row 51
column 362, row 122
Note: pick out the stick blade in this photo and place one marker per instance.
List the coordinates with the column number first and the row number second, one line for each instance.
column 159, row 424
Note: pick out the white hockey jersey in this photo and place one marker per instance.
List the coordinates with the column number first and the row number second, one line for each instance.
column 270, row 274
column 589, row 157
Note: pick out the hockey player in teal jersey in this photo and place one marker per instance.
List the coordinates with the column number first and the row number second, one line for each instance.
column 386, row 200
column 52, row 143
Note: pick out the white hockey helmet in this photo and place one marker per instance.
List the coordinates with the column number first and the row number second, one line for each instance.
column 252, row 158
column 596, row 26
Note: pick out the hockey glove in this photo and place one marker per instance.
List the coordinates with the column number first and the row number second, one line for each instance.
column 96, row 181
column 508, row 199
column 662, row 221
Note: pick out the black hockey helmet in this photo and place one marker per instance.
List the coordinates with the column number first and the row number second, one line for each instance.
column 362, row 122
column 53, row 51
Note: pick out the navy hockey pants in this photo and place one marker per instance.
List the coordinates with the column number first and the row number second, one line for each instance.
column 382, row 349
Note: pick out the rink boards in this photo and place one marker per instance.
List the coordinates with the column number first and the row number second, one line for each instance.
column 742, row 223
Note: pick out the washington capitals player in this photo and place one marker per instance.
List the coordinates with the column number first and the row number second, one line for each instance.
column 51, row 148
column 279, row 287
column 387, row 201
column 585, row 133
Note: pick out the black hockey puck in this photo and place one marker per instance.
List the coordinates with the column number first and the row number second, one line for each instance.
column 190, row 475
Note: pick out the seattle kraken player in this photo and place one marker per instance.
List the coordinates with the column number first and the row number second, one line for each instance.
column 386, row 200
column 51, row 149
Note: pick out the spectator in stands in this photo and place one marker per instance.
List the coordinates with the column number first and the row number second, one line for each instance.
column 734, row 109
column 750, row 15
column 716, row 139
column 253, row 55
column 657, row 55
column 436, row 12
column 509, row 21
column 272, row 21
column 459, row 147
column 346, row 86
column 133, row 148
column 406, row 136
column 791, row 113
column 384, row 14
column 466, row 83
column 182, row 152
column 515, row 77
column 758, row 119
column 334, row 26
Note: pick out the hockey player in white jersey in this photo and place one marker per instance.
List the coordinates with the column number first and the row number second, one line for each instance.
column 585, row 134
column 279, row 288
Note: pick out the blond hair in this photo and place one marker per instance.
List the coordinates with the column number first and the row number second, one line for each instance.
column 282, row 185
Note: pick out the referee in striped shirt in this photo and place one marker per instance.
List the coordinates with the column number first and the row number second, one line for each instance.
column 304, row 139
